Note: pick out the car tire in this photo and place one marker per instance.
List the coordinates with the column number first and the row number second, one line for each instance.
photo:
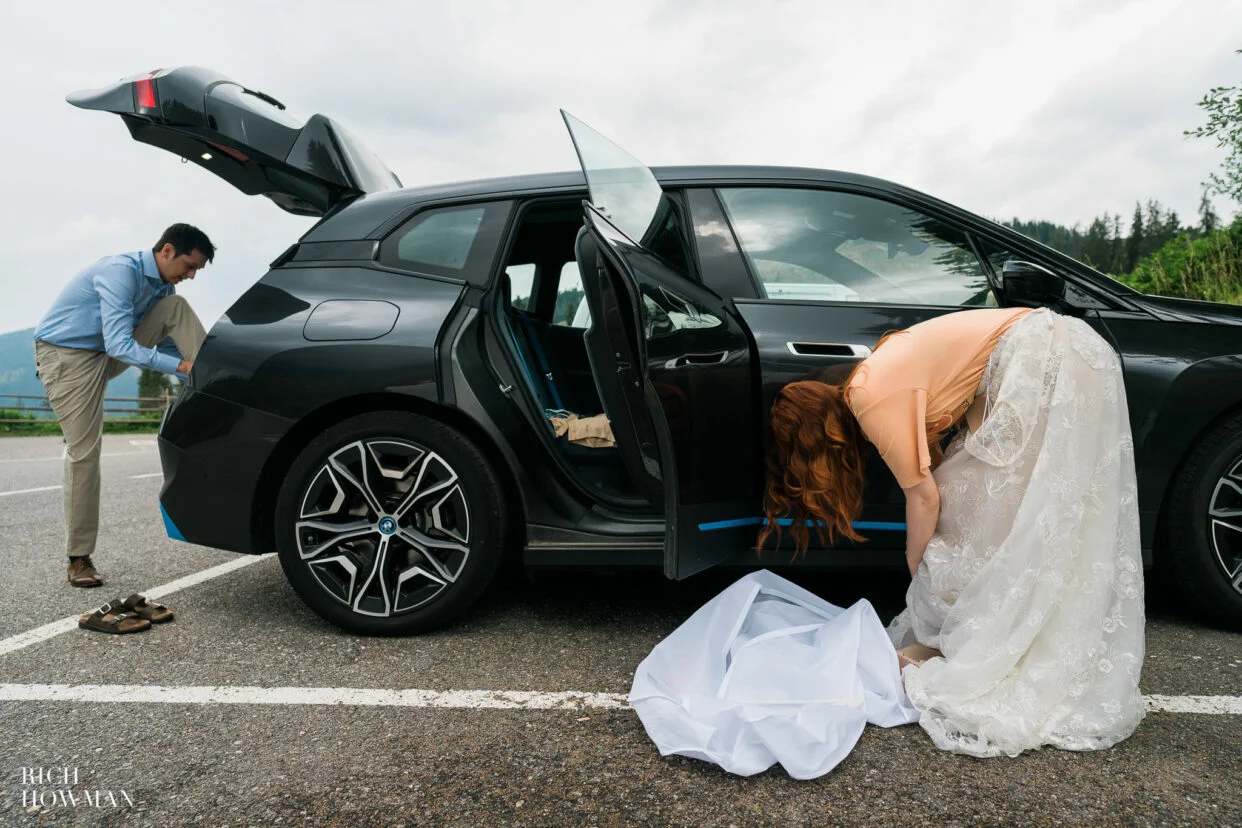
column 1200, row 554
column 413, row 574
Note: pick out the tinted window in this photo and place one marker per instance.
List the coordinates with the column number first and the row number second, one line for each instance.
column 996, row 256
column 571, row 309
column 448, row 241
column 843, row 247
column 521, row 285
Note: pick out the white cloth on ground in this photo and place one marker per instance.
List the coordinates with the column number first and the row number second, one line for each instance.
column 768, row 672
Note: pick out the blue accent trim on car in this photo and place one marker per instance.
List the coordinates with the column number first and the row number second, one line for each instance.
column 873, row 525
column 170, row 527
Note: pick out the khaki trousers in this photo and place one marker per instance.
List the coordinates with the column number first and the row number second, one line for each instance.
column 75, row 380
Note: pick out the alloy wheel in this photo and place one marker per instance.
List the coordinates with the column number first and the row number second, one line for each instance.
column 1225, row 523
column 384, row 526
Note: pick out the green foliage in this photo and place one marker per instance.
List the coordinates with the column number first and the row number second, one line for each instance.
column 1207, row 268
column 1159, row 255
column 34, row 427
column 1223, row 105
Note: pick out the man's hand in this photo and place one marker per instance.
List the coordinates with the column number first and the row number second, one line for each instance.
column 184, row 368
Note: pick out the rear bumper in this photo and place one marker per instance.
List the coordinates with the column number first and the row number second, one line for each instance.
column 212, row 453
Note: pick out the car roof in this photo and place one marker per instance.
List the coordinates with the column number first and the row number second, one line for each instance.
column 371, row 212
column 567, row 180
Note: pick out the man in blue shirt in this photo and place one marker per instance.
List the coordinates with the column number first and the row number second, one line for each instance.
column 121, row 311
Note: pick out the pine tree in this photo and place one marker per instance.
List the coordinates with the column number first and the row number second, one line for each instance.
column 1208, row 220
column 1096, row 245
column 1134, row 243
column 1117, row 243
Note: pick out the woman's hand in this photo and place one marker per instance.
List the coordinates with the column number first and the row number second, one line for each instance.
column 922, row 511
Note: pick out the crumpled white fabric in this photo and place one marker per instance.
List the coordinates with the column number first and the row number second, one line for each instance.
column 768, row 672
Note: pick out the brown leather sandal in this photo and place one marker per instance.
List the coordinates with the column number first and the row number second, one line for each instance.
column 111, row 618
column 141, row 607
column 82, row 572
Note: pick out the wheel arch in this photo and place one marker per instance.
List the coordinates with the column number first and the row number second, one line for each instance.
column 262, row 513
column 1160, row 550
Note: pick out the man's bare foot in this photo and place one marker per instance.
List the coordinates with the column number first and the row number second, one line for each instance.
column 915, row 655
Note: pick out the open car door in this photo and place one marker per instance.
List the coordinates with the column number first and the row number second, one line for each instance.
column 244, row 136
column 672, row 362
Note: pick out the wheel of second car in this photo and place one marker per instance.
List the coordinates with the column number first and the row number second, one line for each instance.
column 390, row 523
column 1201, row 545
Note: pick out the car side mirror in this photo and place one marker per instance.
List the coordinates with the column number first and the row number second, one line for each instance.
column 1024, row 282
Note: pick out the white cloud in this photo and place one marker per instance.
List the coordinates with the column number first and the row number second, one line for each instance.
column 1058, row 110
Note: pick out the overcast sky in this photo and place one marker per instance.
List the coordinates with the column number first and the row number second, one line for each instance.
column 1057, row 110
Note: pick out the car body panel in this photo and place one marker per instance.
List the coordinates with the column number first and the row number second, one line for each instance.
column 257, row 376
column 1180, row 377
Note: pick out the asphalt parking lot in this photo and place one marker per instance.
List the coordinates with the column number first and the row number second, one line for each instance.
column 249, row 709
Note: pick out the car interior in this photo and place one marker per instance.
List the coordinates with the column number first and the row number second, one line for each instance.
column 539, row 296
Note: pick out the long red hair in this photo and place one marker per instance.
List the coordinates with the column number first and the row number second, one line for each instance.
column 817, row 463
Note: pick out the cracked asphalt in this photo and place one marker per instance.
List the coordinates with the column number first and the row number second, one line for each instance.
column 231, row 764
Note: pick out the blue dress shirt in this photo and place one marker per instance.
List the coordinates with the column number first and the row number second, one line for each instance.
column 98, row 309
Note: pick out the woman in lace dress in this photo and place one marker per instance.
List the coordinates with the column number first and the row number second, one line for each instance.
column 1024, row 620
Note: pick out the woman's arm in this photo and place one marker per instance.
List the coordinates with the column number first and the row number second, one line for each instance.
column 922, row 511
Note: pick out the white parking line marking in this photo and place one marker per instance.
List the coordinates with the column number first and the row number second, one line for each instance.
column 28, row 491
column 61, row 456
column 142, row 442
column 461, row 699
column 64, row 625
column 475, row 699
column 141, row 476
column 1228, row 705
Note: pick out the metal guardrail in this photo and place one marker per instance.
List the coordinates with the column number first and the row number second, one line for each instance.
column 40, row 406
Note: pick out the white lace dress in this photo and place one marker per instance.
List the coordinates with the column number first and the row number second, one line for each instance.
column 1032, row 586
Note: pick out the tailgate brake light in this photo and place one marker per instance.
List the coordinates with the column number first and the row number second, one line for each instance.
column 144, row 91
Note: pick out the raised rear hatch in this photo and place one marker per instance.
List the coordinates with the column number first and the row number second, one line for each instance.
column 244, row 136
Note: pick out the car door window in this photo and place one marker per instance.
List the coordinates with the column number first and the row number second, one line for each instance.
column 521, row 285
column 843, row 247
column 570, row 308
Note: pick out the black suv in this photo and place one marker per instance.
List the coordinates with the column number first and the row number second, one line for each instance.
column 381, row 406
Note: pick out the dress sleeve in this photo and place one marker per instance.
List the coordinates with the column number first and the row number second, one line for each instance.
column 897, row 426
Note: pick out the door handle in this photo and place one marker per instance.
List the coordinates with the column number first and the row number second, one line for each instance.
column 714, row 358
column 828, row 349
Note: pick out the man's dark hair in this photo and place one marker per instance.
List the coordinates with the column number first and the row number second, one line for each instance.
column 186, row 238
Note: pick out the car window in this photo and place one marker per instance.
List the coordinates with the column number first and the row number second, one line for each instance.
column 459, row 242
column 521, row 285
column 996, row 255
column 571, row 307
column 621, row 186
column 843, row 247
column 665, row 312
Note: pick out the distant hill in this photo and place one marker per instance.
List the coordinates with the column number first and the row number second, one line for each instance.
column 17, row 371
